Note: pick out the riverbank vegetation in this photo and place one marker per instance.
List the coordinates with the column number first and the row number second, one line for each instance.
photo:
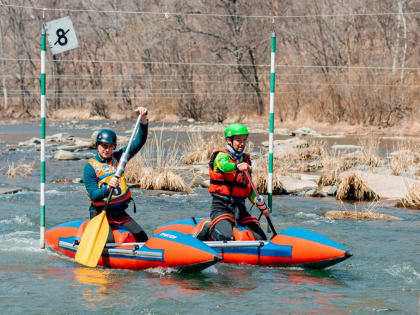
column 412, row 200
column 22, row 169
column 153, row 167
column 333, row 169
column 303, row 165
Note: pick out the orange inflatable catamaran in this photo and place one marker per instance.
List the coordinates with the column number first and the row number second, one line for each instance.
column 174, row 246
column 293, row 247
column 168, row 249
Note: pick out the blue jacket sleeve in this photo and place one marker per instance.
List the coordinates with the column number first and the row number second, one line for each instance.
column 137, row 143
column 89, row 179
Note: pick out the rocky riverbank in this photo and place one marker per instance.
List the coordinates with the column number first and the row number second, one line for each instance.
column 306, row 163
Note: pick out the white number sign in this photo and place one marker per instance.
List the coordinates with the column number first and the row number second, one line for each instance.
column 61, row 35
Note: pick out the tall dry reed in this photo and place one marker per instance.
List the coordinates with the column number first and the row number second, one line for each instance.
column 333, row 163
column 370, row 151
column 260, row 177
column 412, row 200
column 406, row 156
column 153, row 167
column 354, row 188
column 198, row 149
column 23, row 170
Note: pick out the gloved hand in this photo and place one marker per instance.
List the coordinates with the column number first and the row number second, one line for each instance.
column 260, row 203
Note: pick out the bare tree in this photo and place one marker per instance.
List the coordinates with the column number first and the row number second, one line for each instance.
column 4, row 67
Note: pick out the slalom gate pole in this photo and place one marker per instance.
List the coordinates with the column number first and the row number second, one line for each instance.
column 271, row 134
column 42, row 188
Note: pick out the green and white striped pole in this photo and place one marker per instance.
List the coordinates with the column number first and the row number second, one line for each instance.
column 271, row 134
column 42, row 188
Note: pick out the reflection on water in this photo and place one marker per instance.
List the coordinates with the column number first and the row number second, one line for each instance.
column 94, row 286
column 99, row 285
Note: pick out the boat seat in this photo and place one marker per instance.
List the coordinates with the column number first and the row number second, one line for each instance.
column 242, row 234
column 123, row 236
column 120, row 235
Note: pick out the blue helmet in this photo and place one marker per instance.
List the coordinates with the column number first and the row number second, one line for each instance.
column 106, row 136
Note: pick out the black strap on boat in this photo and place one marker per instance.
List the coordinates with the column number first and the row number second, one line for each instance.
column 259, row 254
column 134, row 205
column 194, row 220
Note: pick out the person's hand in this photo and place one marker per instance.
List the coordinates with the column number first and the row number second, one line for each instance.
column 266, row 212
column 243, row 167
column 142, row 111
column 113, row 183
column 260, row 203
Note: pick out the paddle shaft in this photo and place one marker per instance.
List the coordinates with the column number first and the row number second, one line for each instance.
column 270, row 223
column 124, row 159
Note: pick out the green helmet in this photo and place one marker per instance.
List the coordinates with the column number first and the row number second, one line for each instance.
column 235, row 129
column 106, row 136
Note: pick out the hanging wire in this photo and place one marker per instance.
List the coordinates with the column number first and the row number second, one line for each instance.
column 218, row 64
column 168, row 14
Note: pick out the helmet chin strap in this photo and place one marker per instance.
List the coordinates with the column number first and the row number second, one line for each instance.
column 238, row 155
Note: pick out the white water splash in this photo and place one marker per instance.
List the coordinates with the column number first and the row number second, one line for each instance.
column 405, row 272
column 210, row 270
column 314, row 218
column 20, row 241
column 55, row 192
column 174, row 196
column 17, row 220
column 161, row 271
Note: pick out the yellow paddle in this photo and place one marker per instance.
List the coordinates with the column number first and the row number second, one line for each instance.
column 96, row 232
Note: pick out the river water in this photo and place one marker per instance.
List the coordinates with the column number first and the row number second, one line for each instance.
column 383, row 276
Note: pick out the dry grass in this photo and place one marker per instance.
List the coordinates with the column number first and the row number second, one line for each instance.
column 370, row 151
column 359, row 215
column 149, row 178
column 332, row 166
column 72, row 114
column 308, row 157
column 23, row 170
column 260, row 177
column 152, row 167
column 412, row 200
column 406, row 156
column 354, row 188
column 329, row 177
column 199, row 149
column 314, row 150
column 400, row 162
column 334, row 163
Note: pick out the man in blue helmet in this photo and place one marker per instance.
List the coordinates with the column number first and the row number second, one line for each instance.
column 99, row 179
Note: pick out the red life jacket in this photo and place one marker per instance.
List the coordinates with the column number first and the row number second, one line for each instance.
column 232, row 184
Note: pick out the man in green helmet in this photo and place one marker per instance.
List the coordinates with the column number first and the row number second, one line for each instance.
column 229, row 187
column 99, row 179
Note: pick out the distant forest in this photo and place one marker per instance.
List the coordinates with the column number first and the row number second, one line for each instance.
column 336, row 60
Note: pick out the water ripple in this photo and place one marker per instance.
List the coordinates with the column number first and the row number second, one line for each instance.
column 18, row 220
column 406, row 272
column 314, row 218
column 20, row 241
